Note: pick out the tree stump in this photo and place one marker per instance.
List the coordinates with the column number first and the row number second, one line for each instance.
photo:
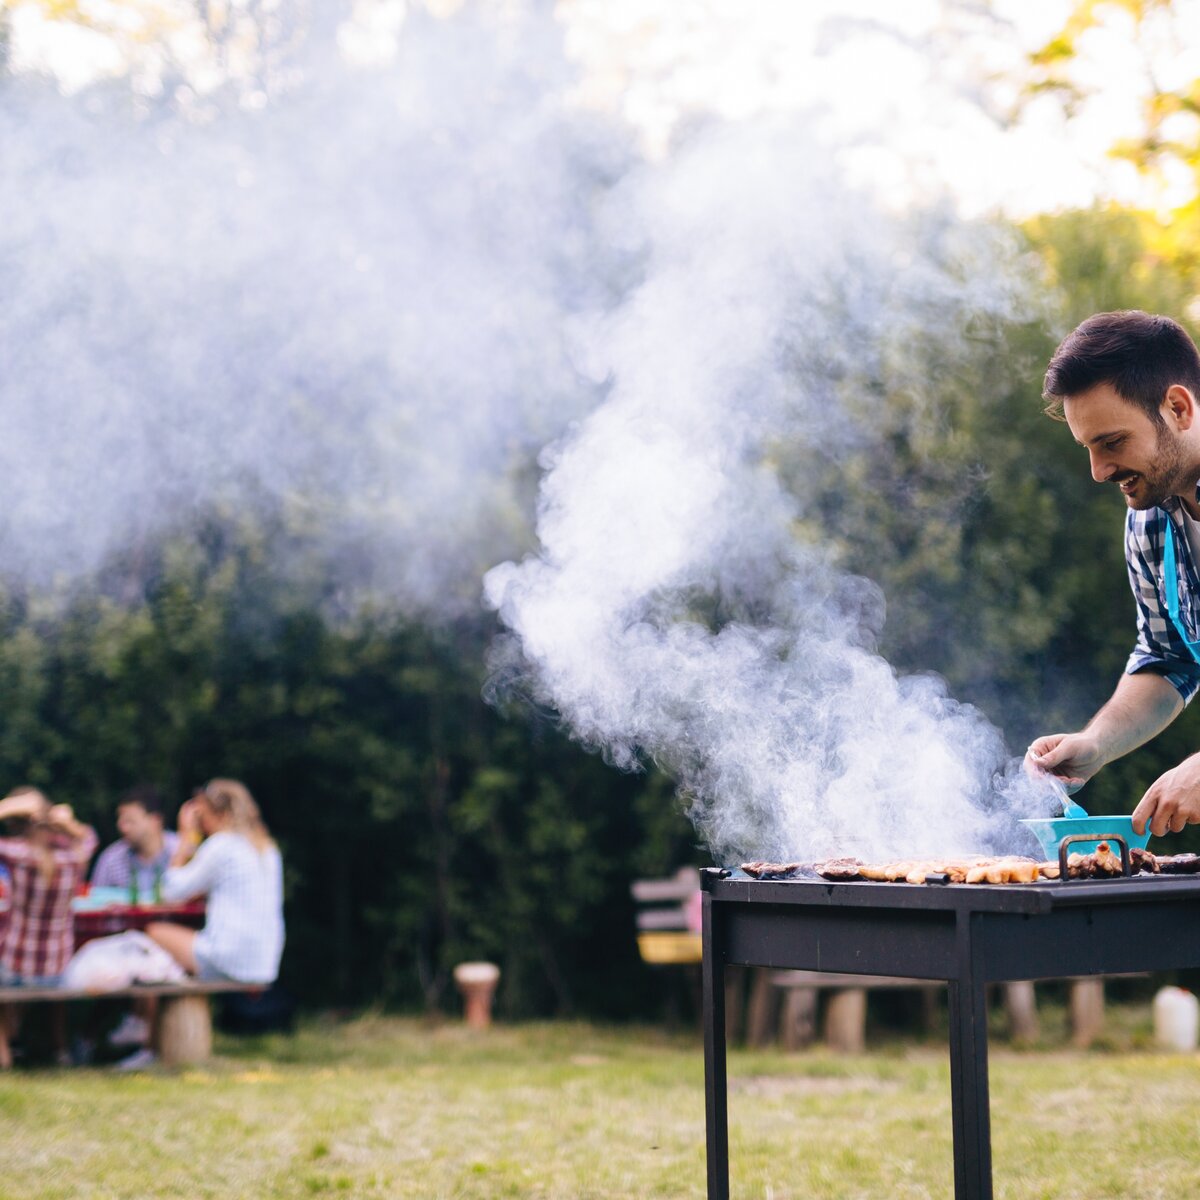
column 1087, row 1011
column 799, row 1021
column 760, row 1014
column 735, row 988
column 1020, row 1004
column 846, row 1021
column 184, row 1033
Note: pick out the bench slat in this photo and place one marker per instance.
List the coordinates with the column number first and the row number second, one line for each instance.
column 826, row 979
column 663, row 918
column 26, row 995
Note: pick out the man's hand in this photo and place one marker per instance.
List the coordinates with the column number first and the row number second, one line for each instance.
column 1072, row 758
column 189, row 820
column 1172, row 801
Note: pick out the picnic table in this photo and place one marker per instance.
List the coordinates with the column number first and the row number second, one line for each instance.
column 183, row 1022
column 102, row 911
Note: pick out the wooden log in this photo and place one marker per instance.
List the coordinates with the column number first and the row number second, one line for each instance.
column 846, row 1021
column 931, row 1002
column 735, row 989
column 1086, row 1011
column 798, row 1025
column 1020, row 1004
column 183, row 1032
column 760, row 1012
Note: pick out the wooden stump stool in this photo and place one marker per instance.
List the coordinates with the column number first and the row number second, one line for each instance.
column 1087, row 1011
column 1020, row 1003
column 846, row 1021
column 184, row 1030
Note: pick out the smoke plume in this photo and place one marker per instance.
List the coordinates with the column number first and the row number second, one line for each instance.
column 676, row 611
column 348, row 303
column 370, row 300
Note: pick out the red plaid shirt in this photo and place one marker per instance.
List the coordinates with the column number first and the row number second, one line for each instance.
column 40, row 937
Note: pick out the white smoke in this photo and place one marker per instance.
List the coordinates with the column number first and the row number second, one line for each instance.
column 371, row 301
column 349, row 302
column 676, row 611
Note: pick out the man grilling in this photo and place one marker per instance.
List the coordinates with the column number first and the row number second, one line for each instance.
column 1128, row 386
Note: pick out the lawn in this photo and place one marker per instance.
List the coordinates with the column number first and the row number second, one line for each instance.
column 383, row 1107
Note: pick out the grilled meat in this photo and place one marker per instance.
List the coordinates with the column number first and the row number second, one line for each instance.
column 770, row 870
column 1179, row 864
column 1006, row 870
column 1143, row 860
column 840, row 868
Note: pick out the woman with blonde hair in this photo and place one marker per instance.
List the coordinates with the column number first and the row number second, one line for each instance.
column 226, row 855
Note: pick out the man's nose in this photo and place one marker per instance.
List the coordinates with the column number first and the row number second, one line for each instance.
column 1100, row 467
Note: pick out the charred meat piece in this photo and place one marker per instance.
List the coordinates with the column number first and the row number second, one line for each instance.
column 770, row 870
column 1143, row 860
column 840, row 868
column 1097, row 865
column 1179, row 864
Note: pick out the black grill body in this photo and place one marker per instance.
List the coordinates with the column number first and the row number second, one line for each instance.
column 968, row 935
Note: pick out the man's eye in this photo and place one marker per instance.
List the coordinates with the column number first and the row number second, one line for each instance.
column 1113, row 444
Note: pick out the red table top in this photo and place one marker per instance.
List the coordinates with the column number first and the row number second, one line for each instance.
column 118, row 918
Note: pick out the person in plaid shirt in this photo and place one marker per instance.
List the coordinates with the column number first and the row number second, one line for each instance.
column 1128, row 386
column 46, row 864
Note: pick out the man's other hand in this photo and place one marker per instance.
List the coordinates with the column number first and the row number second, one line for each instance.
column 1072, row 758
column 1172, row 801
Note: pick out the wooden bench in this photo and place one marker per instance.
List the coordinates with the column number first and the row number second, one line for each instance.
column 182, row 1032
column 665, row 934
column 846, row 1011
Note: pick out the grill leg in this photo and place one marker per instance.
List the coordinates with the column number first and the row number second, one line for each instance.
column 715, row 1083
column 969, row 1075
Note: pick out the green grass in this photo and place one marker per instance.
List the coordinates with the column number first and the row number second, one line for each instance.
column 395, row 1108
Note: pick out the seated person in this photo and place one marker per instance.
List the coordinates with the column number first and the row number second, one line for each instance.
column 226, row 855
column 144, row 849
column 46, row 858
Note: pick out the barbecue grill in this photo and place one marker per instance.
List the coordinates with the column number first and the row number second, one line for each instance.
column 967, row 935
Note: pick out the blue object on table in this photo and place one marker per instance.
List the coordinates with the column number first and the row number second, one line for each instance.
column 1051, row 830
column 101, row 897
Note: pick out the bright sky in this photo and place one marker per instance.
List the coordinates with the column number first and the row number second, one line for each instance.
column 904, row 86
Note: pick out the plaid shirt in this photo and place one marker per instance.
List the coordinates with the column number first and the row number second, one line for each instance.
column 114, row 867
column 1159, row 647
column 40, row 937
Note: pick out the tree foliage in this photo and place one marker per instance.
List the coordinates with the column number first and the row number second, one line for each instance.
column 419, row 827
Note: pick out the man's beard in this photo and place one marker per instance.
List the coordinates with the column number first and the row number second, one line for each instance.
column 1170, row 476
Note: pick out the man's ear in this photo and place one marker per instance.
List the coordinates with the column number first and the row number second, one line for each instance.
column 1179, row 407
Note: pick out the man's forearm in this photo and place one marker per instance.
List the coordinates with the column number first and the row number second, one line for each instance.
column 1141, row 706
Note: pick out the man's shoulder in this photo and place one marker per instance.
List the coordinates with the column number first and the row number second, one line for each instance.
column 113, row 851
column 108, row 859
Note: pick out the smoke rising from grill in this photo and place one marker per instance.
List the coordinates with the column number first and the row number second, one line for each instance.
column 371, row 301
column 682, row 607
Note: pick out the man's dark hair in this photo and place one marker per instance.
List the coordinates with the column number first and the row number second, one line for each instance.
column 145, row 794
column 1139, row 355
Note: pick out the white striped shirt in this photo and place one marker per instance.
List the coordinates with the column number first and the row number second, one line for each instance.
column 242, row 937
